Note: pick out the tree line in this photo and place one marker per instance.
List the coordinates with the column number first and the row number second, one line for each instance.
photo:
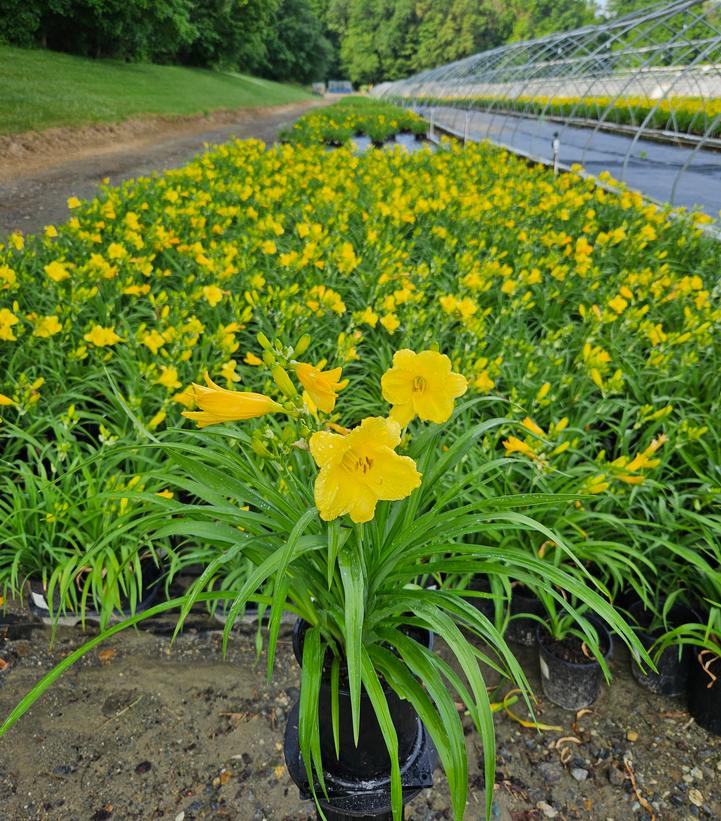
column 365, row 41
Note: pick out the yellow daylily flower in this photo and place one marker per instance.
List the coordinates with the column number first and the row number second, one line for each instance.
column 422, row 385
column 227, row 371
column 321, row 386
column 515, row 445
column 218, row 405
column 185, row 397
column 360, row 469
column 390, row 322
column 168, row 377
column 7, row 320
column 47, row 326
column 101, row 337
column 56, row 271
column 529, row 424
column 153, row 340
column 483, row 382
column 213, row 294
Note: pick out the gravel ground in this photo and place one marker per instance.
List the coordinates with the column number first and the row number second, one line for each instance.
column 141, row 729
column 39, row 171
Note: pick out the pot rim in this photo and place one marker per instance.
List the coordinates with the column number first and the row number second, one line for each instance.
column 600, row 626
column 302, row 625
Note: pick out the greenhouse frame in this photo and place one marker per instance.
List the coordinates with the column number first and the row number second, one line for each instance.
column 633, row 95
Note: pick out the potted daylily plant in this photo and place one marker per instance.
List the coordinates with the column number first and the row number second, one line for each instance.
column 354, row 530
column 354, row 561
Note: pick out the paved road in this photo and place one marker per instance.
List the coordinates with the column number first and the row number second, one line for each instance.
column 663, row 172
column 31, row 198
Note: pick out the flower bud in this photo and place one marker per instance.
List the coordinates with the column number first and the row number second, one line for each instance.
column 263, row 341
column 302, row 345
column 268, row 358
column 289, row 434
column 259, row 448
column 283, row 381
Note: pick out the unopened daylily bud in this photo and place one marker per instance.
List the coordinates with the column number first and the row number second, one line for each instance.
column 263, row 341
column 268, row 358
column 259, row 448
column 283, row 381
column 289, row 433
column 302, row 345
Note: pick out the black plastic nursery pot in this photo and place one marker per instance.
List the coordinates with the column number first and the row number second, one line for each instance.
column 521, row 628
column 570, row 684
column 14, row 627
column 673, row 664
column 704, row 690
column 38, row 605
column 479, row 584
column 358, row 779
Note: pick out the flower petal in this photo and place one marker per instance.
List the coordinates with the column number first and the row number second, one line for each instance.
column 334, row 492
column 363, row 505
column 327, row 448
column 392, row 476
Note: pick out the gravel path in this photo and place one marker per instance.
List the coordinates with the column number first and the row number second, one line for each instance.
column 141, row 729
column 38, row 172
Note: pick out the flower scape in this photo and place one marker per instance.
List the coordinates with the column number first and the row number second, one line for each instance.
column 588, row 319
column 358, row 467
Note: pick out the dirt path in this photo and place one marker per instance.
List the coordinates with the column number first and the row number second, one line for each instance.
column 39, row 171
column 143, row 730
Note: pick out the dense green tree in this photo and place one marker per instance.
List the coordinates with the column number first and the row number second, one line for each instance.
column 230, row 33
column 296, row 47
column 536, row 18
column 450, row 31
column 152, row 30
column 365, row 41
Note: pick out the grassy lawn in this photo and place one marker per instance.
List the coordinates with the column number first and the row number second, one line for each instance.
column 39, row 89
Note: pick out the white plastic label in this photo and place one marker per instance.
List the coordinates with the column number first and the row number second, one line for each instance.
column 39, row 600
column 544, row 669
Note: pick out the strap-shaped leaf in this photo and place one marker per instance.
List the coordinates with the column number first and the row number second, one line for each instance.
column 308, row 726
column 378, row 699
column 335, row 703
column 351, row 572
column 455, row 761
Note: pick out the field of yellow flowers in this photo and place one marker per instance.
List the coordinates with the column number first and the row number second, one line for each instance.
column 680, row 115
column 589, row 319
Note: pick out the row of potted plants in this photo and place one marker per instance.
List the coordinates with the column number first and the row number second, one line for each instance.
column 355, row 117
column 360, row 541
column 676, row 114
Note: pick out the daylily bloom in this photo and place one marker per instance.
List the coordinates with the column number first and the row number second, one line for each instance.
column 57, row 271
column 47, row 326
column 218, row 405
column 102, row 337
column 422, row 385
column 168, row 377
column 321, row 386
column 360, row 469
column 515, row 445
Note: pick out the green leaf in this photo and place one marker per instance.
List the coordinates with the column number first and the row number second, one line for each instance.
column 285, row 556
column 422, row 665
column 334, row 702
column 351, row 572
column 378, row 699
column 308, row 726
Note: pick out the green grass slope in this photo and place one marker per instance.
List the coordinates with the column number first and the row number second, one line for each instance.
column 39, row 89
